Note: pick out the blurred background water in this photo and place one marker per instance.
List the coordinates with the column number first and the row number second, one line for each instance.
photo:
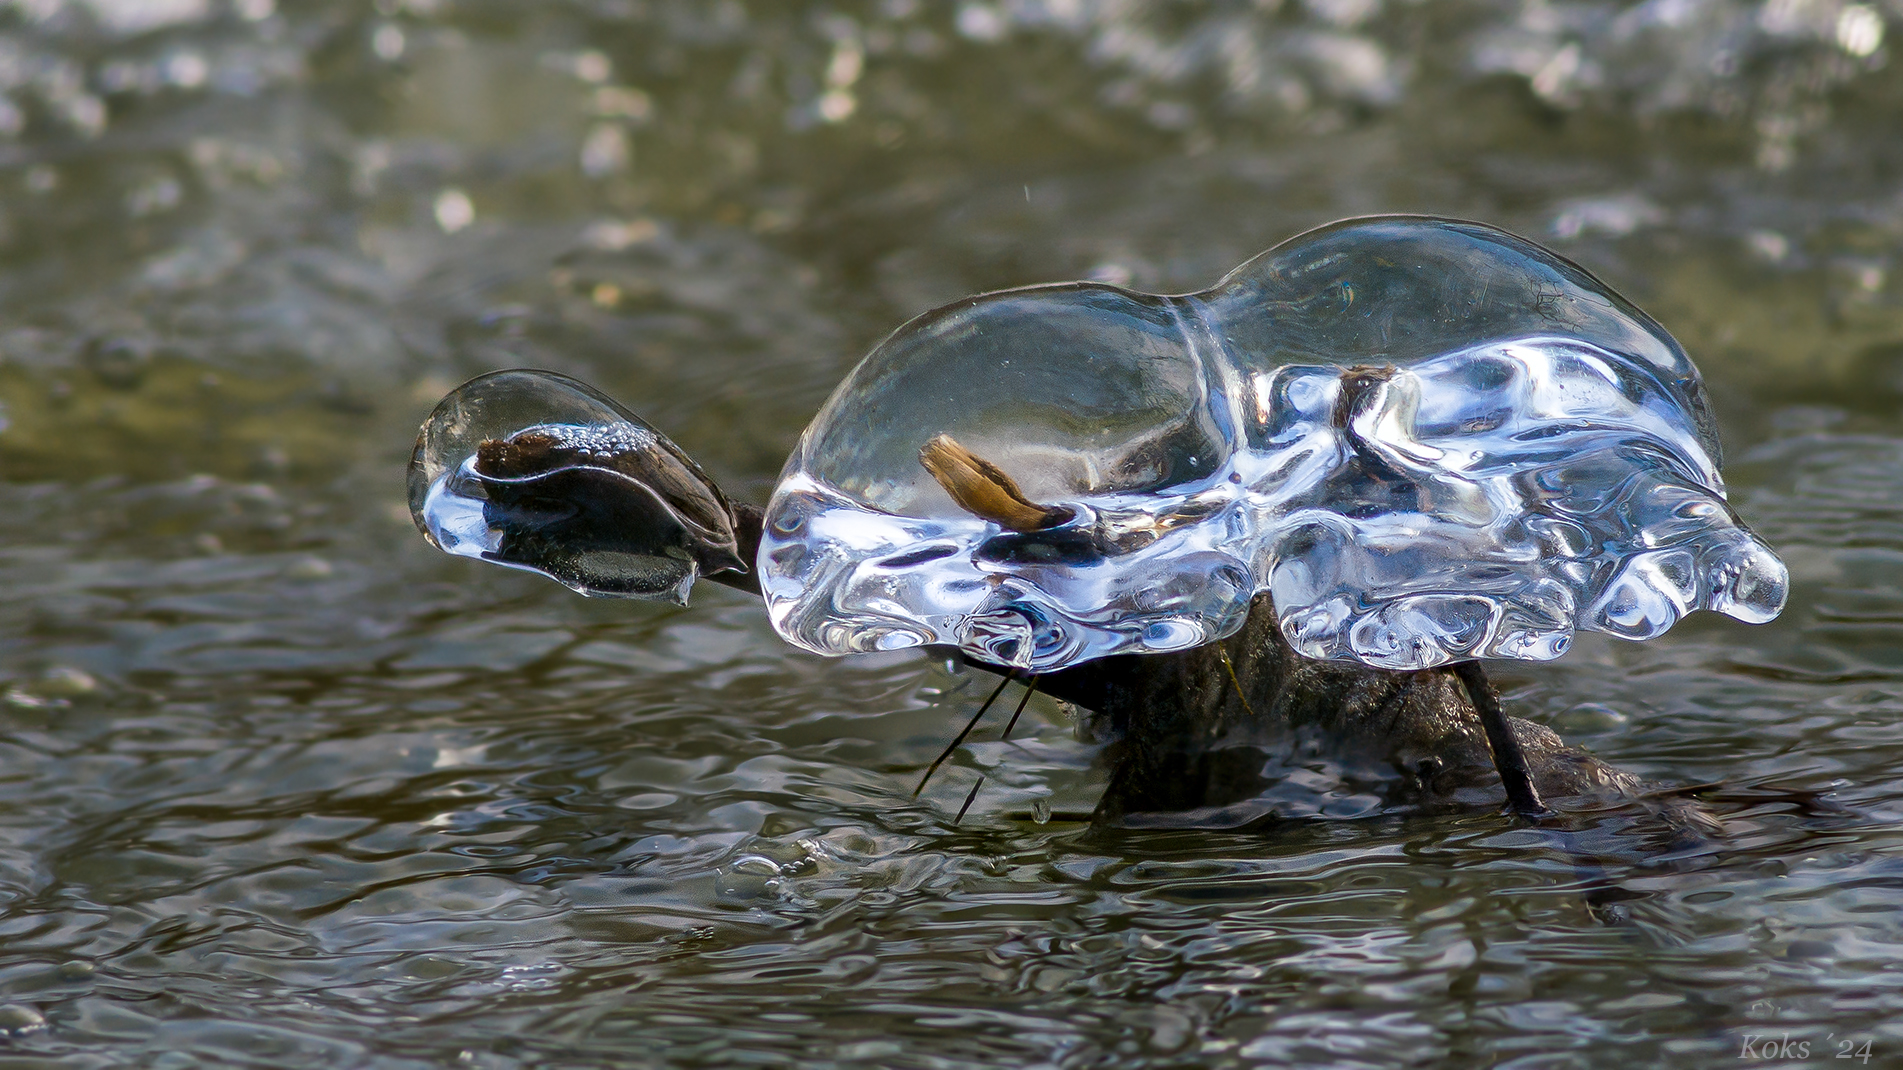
column 280, row 786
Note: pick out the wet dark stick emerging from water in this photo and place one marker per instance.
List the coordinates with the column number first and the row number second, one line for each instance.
column 1029, row 690
column 969, row 797
column 1508, row 758
column 960, row 738
column 1359, row 385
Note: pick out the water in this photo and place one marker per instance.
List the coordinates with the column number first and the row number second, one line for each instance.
column 1430, row 440
column 285, row 786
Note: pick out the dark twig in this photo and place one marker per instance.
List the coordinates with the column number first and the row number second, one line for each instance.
column 969, row 796
column 960, row 738
column 1508, row 758
column 1030, row 689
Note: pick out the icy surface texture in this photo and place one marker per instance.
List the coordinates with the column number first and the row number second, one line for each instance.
column 1430, row 440
column 536, row 471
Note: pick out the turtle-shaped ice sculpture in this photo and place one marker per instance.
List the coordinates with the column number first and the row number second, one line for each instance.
column 1414, row 441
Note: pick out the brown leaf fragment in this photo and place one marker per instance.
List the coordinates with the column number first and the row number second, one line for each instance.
column 983, row 490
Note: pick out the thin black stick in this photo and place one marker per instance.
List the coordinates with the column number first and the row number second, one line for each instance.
column 969, row 796
column 1508, row 758
column 960, row 738
column 1029, row 690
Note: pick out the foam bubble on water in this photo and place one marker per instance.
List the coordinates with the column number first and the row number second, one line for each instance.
column 1429, row 440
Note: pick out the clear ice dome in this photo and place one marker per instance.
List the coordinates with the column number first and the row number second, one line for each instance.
column 1428, row 440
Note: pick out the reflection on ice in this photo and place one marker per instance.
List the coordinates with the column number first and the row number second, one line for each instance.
column 1429, row 440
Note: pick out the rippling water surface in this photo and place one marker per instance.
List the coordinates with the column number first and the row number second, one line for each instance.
column 281, row 786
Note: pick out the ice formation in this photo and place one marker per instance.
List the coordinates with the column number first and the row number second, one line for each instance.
column 1429, row 440
column 539, row 472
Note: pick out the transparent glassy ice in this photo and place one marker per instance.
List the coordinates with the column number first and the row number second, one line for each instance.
column 1429, row 440
column 539, row 472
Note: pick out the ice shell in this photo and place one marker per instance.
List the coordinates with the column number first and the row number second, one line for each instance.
column 1429, row 440
column 536, row 471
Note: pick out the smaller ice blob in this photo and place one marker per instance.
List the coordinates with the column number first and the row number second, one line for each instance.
column 536, row 471
column 1429, row 440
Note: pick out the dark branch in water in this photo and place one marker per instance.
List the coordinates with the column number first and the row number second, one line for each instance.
column 1030, row 688
column 970, row 797
column 1205, row 730
column 960, row 738
column 1508, row 757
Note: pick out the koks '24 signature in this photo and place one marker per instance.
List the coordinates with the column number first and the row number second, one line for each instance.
column 1785, row 1048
